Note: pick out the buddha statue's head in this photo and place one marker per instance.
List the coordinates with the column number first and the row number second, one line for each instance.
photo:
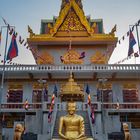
column 71, row 107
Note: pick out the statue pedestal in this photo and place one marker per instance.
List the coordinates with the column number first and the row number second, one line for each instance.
column 76, row 139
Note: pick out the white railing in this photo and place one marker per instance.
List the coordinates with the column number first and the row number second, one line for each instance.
column 108, row 67
column 61, row 106
column 11, row 106
column 121, row 106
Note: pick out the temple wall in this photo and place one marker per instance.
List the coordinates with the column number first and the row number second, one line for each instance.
column 34, row 123
column 57, row 52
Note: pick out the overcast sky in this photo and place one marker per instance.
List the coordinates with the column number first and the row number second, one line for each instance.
column 21, row 13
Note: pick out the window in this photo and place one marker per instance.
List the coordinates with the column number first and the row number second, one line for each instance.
column 36, row 95
column 130, row 95
column 14, row 95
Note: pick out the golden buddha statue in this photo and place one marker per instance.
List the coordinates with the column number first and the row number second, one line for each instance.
column 71, row 126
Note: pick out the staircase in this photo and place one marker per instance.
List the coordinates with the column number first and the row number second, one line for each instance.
column 82, row 113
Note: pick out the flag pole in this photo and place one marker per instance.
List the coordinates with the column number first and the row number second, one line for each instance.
column 4, row 59
column 3, row 71
column 138, row 36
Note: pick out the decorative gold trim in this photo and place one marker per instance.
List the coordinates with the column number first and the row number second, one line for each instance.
column 45, row 58
column 72, row 57
column 94, row 37
column 98, row 58
column 15, row 87
column 129, row 86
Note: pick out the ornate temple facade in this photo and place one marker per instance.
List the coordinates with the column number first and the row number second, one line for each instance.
column 71, row 53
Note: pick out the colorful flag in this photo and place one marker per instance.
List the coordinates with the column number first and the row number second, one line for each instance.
column 50, row 115
column 117, row 104
column 51, row 109
column 92, row 115
column 136, row 54
column 8, row 95
column 88, row 92
column 26, row 105
column 45, row 94
column 11, row 31
column 67, row 1
column 82, row 55
column 52, row 100
column 98, row 94
column 132, row 42
column 55, row 90
column 61, row 58
column 87, row 89
column 89, row 100
column 13, row 49
column 21, row 40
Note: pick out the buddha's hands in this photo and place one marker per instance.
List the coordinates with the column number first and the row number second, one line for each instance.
column 70, row 138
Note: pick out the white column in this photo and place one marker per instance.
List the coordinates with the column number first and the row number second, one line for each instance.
column 117, row 91
column 27, row 92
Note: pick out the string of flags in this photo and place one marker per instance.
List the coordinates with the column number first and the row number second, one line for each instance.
column 55, row 91
column 136, row 54
column 14, row 47
column 127, row 34
column 82, row 55
column 26, row 105
column 51, row 108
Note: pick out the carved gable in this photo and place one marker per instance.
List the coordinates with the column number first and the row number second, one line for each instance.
column 66, row 13
column 72, row 23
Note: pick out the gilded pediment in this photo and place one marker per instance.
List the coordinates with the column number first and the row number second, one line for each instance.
column 72, row 57
column 72, row 23
column 15, row 86
column 98, row 58
column 64, row 13
column 45, row 58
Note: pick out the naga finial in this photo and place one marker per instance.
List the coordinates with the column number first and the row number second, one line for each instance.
column 30, row 31
column 113, row 30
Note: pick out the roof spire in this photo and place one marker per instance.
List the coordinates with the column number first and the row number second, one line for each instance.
column 64, row 2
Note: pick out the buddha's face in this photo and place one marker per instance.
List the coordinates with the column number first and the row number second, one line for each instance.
column 71, row 107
